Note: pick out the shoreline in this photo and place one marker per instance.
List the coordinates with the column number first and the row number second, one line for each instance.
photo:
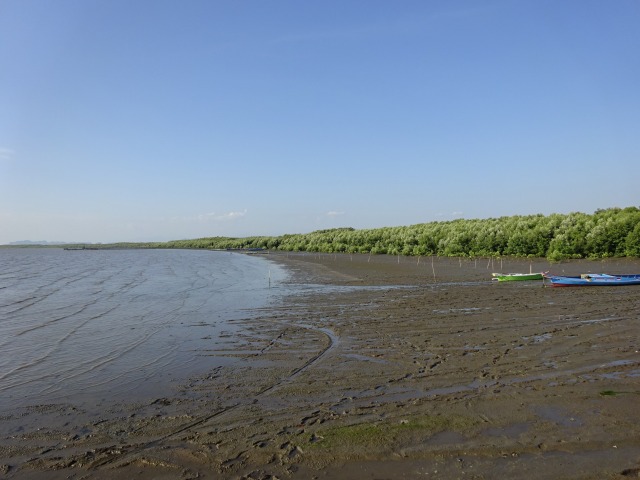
column 450, row 375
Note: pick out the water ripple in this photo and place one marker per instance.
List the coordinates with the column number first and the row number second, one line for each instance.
column 96, row 324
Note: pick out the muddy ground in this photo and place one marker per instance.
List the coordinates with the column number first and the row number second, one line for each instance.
column 408, row 368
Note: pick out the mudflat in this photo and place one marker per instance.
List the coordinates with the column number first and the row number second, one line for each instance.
column 398, row 367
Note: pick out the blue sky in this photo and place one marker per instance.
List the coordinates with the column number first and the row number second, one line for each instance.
column 158, row 120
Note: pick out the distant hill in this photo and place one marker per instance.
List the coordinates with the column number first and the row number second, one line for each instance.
column 40, row 242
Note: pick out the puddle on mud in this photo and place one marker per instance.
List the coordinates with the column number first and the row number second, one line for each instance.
column 509, row 431
column 445, row 438
column 364, row 358
column 557, row 415
column 465, row 311
column 476, row 385
column 539, row 338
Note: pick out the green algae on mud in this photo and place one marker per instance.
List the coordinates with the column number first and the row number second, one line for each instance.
column 613, row 393
column 384, row 434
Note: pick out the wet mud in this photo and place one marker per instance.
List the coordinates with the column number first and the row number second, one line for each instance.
column 414, row 367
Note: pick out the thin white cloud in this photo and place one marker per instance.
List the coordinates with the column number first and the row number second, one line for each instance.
column 221, row 217
column 334, row 214
column 6, row 154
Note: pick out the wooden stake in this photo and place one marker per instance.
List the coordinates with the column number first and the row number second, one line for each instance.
column 433, row 269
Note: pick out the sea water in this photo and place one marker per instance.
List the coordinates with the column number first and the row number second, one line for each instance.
column 119, row 324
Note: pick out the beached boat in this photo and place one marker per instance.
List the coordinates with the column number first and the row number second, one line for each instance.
column 515, row 277
column 593, row 280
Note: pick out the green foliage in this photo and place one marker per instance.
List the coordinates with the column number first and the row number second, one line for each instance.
column 612, row 232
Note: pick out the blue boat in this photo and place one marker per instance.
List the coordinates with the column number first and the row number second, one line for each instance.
column 593, row 280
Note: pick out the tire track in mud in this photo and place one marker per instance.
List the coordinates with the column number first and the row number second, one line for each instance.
column 121, row 457
column 333, row 343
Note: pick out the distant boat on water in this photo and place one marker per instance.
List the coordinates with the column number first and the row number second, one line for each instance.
column 593, row 280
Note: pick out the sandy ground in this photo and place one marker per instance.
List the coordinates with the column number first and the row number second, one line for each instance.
column 408, row 368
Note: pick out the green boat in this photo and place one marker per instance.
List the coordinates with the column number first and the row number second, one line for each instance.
column 517, row 277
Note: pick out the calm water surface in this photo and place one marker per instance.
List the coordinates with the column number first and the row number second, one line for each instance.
column 119, row 324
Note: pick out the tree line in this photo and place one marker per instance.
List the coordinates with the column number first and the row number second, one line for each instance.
column 613, row 232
